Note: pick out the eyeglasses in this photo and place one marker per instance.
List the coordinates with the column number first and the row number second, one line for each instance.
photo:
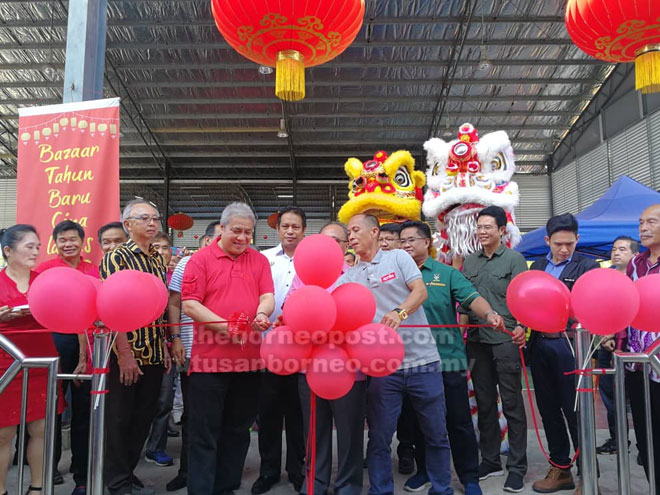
column 388, row 240
column 146, row 218
column 338, row 240
column 486, row 227
column 410, row 240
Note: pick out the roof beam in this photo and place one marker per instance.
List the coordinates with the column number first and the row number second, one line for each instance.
column 365, row 130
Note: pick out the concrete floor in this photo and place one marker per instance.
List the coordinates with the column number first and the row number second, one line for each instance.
column 157, row 476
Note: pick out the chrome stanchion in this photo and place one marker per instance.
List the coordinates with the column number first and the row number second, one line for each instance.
column 22, row 427
column 622, row 456
column 587, row 420
column 97, row 412
column 649, row 427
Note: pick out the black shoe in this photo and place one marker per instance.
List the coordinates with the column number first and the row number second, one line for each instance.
column 58, row 479
column 514, row 483
column 609, row 447
column 639, row 460
column 263, row 484
column 364, row 463
column 297, row 482
column 173, row 434
column 177, row 483
column 486, row 471
column 406, row 465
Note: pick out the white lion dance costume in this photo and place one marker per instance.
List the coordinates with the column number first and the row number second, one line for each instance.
column 464, row 176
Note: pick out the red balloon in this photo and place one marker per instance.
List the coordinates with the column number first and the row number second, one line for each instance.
column 310, row 309
column 538, row 300
column 356, row 306
column 378, row 349
column 648, row 315
column 63, row 300
column 96, row 282
column 318, row 260
column 162, row 294
column 605, row 301
column 283, row 353
column 127, row 300
column 329, row 374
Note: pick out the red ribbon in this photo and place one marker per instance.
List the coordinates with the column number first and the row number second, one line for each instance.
column 310, row 457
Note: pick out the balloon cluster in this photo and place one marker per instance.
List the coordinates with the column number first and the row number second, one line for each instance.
column 603, row 300
column 329, row 335
column 66, row 301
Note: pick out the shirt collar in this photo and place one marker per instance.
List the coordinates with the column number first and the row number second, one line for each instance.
column 565, row 262
column 428, row 264
column 499, row 251
column 376, row 258
column 645, row 257
column 220, row 253
column 131, row 244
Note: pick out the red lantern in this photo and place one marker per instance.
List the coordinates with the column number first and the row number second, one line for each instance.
column 289, row 35
column 180, row 222
column 619, row 31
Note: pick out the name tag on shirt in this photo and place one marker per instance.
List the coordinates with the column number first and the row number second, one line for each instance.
column 388, row 277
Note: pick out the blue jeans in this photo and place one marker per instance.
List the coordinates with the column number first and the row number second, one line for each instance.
column 424, row 386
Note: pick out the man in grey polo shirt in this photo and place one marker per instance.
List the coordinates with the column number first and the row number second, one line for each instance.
column 396, row 283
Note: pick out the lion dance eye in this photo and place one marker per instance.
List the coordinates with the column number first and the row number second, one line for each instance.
column 358, row 183
column 498, row 163
column 436, row 169
column 402, row 177
column 383, row 177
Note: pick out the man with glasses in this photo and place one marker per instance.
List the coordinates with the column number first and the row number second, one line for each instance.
column 225, row 279
column 446, row 288
column 495, row 355
column 388, row 238
column 137, row 365
column 278, row 400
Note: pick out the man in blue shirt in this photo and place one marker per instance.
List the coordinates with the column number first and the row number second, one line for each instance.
column 551, row 357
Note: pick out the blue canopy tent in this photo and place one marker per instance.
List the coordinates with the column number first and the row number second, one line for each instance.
column 615, row 213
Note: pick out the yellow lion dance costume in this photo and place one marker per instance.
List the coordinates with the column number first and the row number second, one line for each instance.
column 387, row 187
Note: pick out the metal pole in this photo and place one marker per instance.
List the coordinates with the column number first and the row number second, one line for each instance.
column 22, row 427
column 587, row 420
column 649, row 428
column 49, row 429
column 622, row 456
column 96, row 420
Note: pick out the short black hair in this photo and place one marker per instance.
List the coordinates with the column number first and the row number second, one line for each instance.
column 393, row 228
column 370, row 220
column 108, row 226
column 210, row 229
column 67, row 225
column 13, row 235
column 561, row 223
column 296, row 211
column 422, row 228
column 496, row 212
column 162, row 235
column 634, row 244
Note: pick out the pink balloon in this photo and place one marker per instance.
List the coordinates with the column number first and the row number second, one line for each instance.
column 63, row 300
column 538, row 300
column 318, row 260
column 127, row 300
column 356, row 306
column 283, row 353
column 310, row 309
column 162, row 294
column 377, row 348
column 605, row 301
column 648, row 316
column 329, row 374
column 96, row 282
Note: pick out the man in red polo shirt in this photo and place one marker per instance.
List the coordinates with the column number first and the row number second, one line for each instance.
column 69, row 237
column 221, row 281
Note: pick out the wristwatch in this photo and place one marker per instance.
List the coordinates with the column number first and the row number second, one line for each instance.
column 403, row 314
column 174, row 336
column 491, row 312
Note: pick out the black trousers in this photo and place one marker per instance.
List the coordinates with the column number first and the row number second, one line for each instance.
column 606, row 389
column 497, row 367
column 635, row 389
column 68, row 350
column 555, row 395
column 219, row 429
column 183, row 461
column 279, row 406
column 129, row 412
column 462, row 438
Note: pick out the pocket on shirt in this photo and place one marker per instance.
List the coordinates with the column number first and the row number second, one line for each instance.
column 189, row 284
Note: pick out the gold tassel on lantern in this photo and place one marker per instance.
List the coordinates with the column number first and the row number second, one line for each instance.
column 647, row 70
column 290, row 76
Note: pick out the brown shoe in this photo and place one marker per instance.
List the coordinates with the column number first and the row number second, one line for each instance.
column 556, row 480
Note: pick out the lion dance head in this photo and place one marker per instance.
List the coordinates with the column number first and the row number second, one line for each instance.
column 387, row 187
column 463, row 177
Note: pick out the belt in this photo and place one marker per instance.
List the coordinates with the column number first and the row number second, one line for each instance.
column 556, row 335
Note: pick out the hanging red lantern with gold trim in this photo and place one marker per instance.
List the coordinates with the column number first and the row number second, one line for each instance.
column 289, row 35
column 619, row 31
column 180, row 222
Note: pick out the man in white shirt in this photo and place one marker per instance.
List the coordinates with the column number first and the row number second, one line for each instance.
column 278, row 397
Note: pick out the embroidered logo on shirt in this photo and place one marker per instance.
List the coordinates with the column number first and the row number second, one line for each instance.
column 388, row 277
